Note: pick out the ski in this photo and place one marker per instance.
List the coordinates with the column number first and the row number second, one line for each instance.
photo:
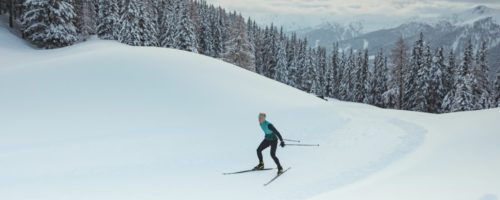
column 276, row 177
column 244, row 171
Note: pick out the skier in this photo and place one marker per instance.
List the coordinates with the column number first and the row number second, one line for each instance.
column 271, row 139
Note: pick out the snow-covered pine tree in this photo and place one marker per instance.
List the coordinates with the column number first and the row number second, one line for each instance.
column 449, row 75
column 327, row 78
column 321, row 67
column 291, row 54
column 166, row 24
column 380, row 79
column 369, row 88
column 282, row 71
column 238, row 49
column 411, row 74
column 399, row 60
column 481, row 86
column 354, row 76
column 85, row 20
column 358, row 78
column 309, row 72
column 259, row 51
column 269, row 51
column 496, row 88
column 302, row 58
column 108, row 19
column 364, row 75
column 334, row 70
column 340, row 72
column 313, row 57
column 437, row 88
column 205, row 40
column 13, row 8
column 184, row 34
column 423, row 83
column 217, row 25
column 49, row 24
column 346, row 81
column 250, row 31
column 460, row 98
column 137, row 26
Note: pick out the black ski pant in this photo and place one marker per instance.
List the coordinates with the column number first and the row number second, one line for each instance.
column 263, row 145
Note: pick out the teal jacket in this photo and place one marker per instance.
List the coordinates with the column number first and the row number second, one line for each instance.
column 270, row 132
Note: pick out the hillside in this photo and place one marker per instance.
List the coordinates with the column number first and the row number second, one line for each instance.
column 103, row 120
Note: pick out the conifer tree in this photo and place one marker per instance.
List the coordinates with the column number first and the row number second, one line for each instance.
column 167, row 24
column 238, row 48
column 86, row 13
column 411, row 75
column 217, row 25
column 423, row 83
column 399, row 59
column 184, row 34
column 282, row 73
column 346, row 81
column 292, row 65
column 49, row 24
column 108, row 19
column 137, row 26
column 309, row 72
column 380, row 79
column 460, row 98
column 334, row 71
column 437, row 88
column 496, row 88
column 481, row 86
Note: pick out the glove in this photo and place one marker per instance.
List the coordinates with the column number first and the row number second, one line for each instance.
column 282, row 144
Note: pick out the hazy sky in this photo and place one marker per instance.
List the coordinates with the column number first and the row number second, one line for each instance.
column 341, row 10
column 353, row 7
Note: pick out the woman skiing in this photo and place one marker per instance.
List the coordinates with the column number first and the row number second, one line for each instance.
column 271, row 136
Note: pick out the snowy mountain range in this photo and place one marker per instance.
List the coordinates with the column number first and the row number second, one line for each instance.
column 450, row 31
column 329, row 32
column 471, row 15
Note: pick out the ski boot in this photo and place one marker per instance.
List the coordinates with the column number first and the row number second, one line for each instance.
column 280, row 170
column 260, row 166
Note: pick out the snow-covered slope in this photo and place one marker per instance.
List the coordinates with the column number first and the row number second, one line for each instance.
column 104, row 121
column 459, row 160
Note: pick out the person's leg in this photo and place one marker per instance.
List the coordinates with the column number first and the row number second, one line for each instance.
column 263, row 145
column 274, row 146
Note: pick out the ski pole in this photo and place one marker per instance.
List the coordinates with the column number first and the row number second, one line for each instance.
column 288, row 140
column 314, row 145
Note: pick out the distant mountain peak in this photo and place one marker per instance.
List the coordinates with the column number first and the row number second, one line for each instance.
column 469, row 16
column 481, row 9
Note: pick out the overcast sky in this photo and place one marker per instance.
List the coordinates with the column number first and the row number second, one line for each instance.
column 337, row 10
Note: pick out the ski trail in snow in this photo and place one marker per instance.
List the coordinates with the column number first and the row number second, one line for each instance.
column 359, row 147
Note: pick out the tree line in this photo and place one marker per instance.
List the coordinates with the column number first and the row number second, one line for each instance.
column 413, row 77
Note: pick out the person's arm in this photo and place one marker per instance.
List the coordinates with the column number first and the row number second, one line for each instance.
column 276, row 132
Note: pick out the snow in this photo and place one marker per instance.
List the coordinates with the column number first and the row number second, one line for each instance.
column 458, row 160
column 102, row 120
